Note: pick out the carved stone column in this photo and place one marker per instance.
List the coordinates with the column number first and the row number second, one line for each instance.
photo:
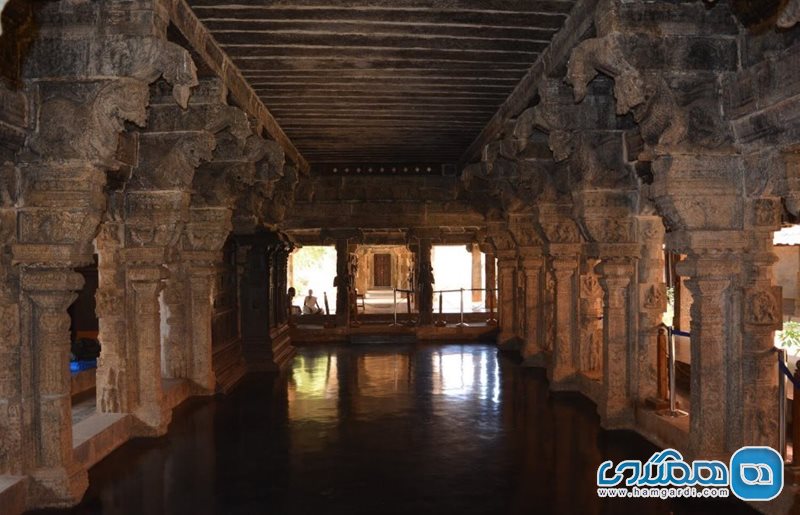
column 762, row 315
column 115, row 371
column 507, row 289
column 425, row 279
column 710, row 279
column 564, row 249
column 563, row 366
column 490, row 278
column 145, row 281
column 533, row 347
column 652, row 306
column 206, row 233
column 265, row 348
column 475, row 279
column 61, row 207
column 343, row 282
column 616, row 277
column 47, row 293
column 254, row 303
column 590, row 345
column 175, row 334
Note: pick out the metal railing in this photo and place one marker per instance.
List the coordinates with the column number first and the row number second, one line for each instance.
column 673, row 410
column 782, row 368
column 442, row 322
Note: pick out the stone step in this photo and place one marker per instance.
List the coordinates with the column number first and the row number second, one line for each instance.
column 377, row 338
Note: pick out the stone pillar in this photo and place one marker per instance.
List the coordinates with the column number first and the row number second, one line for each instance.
column 145, row 281
column 342, row 282
column 254, row 303
column 616, row 275
column 47, row 293
column 533, row 346
column 710, row 279
column 507, row 290
column 206, row 233
column 565, row 272
column 175, row 330
column 425, row 280
column 201, row 314
column 153, row 222
column 762, row 315
column 652, row 306
column 476, row 272
column 590, row 344
column 272, row 286
column 115, row 369
column 490, row 279
column 281, row 272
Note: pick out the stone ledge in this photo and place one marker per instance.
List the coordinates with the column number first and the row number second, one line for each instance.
column 662, row 431
column 83, row 381
column 13, row 494
column 97, row 436
column 176, row 391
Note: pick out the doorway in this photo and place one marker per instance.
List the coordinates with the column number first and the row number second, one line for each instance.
column 382, row 271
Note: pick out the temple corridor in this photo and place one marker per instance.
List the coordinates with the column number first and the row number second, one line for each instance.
column 263, row 255
column 407, row 429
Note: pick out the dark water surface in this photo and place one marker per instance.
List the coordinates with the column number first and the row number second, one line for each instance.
column 411, row 429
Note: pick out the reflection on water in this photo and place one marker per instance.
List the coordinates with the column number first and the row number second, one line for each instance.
column 377, row 430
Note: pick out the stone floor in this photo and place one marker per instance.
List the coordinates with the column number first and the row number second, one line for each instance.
column 379, row 429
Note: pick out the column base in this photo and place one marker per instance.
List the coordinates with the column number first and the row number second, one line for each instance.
column 537, row 360
column 59, row 487
column 282, row 349
column 13, row 494
column 508, row 342
column 229, row 366
column 272, row 355
column 622, row 419
column 151, row 422
column 562, row 379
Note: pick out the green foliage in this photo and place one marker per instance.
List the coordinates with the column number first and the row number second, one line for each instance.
column 314, row 268
column 790, row 336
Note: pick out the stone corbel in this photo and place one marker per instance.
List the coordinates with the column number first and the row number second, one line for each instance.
column 82, row 121
column 155, row 57
column 282, row 198
column 168, row 161
column 648, row 98
column 208, row 229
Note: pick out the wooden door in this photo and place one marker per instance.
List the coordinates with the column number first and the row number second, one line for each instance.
column 382, row 270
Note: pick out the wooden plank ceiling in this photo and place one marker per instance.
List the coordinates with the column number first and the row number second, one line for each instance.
column 383, row 81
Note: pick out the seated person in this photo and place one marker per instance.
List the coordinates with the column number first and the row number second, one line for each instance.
column 310, row 304
column 293, row 310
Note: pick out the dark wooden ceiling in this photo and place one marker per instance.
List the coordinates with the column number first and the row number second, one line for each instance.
column 376, row 81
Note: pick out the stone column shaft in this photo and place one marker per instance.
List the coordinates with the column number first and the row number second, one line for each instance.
column 715, row 381
column 533, row 347
column 616, row 276
column 201, row 314
column 507, row 291
column 476, row 273
column 342, row 282
column 563, row 366
column 145, row 284
column 490, row 280
column 254, row 305
column 425, row 278
column 114, row 372
column 48, row 293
